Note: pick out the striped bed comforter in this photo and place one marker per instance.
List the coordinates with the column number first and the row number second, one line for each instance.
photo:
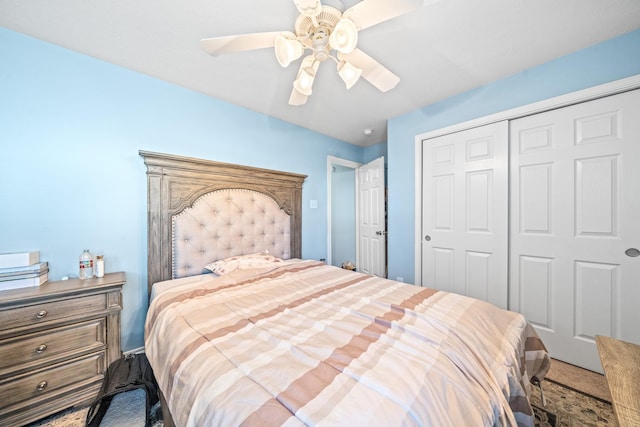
column 309, row 344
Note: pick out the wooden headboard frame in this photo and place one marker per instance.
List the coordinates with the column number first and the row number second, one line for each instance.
column 175, row 182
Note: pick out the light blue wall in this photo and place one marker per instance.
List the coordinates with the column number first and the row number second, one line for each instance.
column 71, row 177
column 374, row 151
column 612, row 60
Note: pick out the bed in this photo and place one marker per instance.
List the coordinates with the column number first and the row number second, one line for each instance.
column 242, row 331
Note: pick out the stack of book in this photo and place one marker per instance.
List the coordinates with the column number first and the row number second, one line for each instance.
column 20, row 270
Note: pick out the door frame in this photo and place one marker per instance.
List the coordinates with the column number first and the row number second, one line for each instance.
column 589, row 94
column 331, row 161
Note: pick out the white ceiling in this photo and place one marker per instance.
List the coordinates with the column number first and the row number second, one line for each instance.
column 447, row 47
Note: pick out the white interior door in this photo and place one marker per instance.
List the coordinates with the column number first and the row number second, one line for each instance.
column 465, row 213
column 575, row 203
column 372, row 239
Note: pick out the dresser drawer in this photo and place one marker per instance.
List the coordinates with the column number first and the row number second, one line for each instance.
column 50, row 311
column 27, row 351
column 51, row 382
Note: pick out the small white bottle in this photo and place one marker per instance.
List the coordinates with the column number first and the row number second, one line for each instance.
column 99, row 266
column 86, row 265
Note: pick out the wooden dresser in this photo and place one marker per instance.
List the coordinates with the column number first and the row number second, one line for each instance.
column 56, row 341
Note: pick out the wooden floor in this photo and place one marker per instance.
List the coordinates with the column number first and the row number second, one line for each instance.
column 582, row 380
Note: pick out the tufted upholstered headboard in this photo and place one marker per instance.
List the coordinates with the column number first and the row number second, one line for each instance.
column 200, row 211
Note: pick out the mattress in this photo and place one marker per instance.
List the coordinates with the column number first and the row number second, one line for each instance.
column 304, row 343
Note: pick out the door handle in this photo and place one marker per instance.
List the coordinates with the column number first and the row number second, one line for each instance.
column 380, row 233
column 632, row 252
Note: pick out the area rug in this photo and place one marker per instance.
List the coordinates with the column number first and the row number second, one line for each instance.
column 569, row 408
column 545, row 418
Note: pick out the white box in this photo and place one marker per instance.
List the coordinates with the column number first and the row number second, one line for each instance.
column 22, row 277
column 19, row 259
column 24, row 283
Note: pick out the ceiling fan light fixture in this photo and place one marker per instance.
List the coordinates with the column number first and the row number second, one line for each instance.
column 304, row 82
column 310, row 8
column 287, row 50
column 348, row 73
column 297, row 99
column 329, row 34
column 344, row 36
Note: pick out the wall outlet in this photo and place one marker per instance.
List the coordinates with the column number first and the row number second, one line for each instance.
column 399, row 279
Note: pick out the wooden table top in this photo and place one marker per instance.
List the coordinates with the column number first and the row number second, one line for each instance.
column 621, row 364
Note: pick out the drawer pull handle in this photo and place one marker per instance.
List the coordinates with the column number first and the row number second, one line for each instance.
column 41, row 386
column 41, row 314
column 41, row 348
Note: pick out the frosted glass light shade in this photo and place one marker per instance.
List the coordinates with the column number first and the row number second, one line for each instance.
column 308, row 8
column 296, row 99
column 348, row 73
column 344, row 36
column 304, row 82
column 287, row 50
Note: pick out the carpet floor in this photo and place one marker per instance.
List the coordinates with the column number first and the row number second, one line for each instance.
column 73, row 417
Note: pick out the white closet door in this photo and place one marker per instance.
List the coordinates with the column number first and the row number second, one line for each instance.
column 575, row 210
column 465, row 212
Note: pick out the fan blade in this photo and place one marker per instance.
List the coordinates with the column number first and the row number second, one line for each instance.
column 240, row 42
column 297, row 98
column 374, row 72
column 368, row 13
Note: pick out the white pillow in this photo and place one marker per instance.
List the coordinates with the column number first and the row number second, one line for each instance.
column 242, row 262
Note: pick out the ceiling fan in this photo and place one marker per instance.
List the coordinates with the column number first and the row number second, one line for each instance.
column 327, row 34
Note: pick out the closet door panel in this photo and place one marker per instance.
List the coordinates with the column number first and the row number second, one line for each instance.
column 536, row 286
column 464, row 213
column 575, row 204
